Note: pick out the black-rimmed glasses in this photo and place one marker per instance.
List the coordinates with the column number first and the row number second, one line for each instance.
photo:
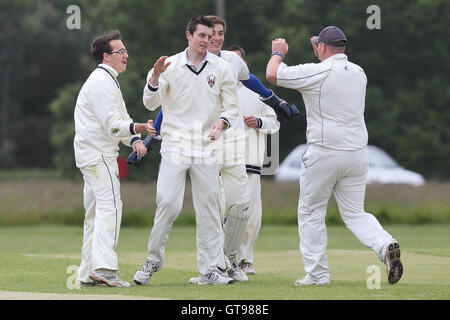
column 121, row 51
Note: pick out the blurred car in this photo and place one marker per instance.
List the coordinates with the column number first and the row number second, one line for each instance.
column 383, row 168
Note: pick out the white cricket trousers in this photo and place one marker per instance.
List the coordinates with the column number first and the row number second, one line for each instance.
column 254, row 222
column 323, row 172
column 103, row 216
column 169, row 201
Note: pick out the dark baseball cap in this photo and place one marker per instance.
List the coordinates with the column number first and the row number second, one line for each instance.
column 333, row 36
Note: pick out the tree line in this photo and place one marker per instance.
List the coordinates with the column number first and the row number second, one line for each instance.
column 44, row 64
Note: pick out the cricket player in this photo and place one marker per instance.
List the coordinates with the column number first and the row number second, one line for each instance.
column 336, row 160
column 259, row 120
column 101, row 122
column 233, row 173
column 234, row 180
column 233, row 176
column 197, row 94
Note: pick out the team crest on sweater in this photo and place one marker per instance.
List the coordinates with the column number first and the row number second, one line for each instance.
column 211, row 80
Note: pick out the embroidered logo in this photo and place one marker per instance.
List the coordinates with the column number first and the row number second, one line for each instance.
column 211, row 80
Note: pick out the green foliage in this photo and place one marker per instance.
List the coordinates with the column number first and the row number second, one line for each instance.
column 406, row 61
column 63, row 130
column 39, row 56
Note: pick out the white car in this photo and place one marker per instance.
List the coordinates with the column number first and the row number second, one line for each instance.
column 382, row 168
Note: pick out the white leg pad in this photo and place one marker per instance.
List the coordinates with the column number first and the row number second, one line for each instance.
column 235, row 226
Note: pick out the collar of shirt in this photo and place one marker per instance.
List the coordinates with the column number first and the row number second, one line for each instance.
column 336, row 56
column 189, row 63
column 110, row 69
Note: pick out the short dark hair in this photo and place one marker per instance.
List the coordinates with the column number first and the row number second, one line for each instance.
column 237, row 48
column 101, row 44
column 196, row 20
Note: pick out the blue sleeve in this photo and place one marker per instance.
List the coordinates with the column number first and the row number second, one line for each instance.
column 157, row 123
column 256, row 86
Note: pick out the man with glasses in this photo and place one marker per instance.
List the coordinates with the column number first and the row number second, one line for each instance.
column 336, row 160
column 101, row 122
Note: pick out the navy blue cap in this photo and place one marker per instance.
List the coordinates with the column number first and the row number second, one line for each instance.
column 333, row 36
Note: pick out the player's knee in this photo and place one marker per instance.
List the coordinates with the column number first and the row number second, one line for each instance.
column 240, row 210
column 169, row 206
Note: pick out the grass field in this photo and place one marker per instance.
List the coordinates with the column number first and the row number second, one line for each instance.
column 41, row 235
column 39, row 259
column 31, row 199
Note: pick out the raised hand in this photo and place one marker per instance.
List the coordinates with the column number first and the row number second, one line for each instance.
column 159, row 67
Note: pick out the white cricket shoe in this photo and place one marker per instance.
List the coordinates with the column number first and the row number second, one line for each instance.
column 247, row 267
column 306, row 281
column 194, row 280
column 236, row 273
column 392, row 261
column 143, row 275
column 108, row 277
column 215, row 277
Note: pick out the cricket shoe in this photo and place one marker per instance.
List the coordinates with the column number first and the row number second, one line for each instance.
column 144, row 274
column 392, row 261
column 215, row 277
column 306, row 281
column 247, row 267
column 108, row 277
column 236, row 273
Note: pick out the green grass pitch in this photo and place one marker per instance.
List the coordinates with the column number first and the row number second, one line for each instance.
column 40, row 259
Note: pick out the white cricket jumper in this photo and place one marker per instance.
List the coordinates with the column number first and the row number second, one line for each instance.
column 101, row 122
column 191, row 101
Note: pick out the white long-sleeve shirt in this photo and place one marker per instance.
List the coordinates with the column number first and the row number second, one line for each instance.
column 101, row 118
column 192, row 101
column 334, row 95
column 233, row 140
column 240, row 68
column 251, row 105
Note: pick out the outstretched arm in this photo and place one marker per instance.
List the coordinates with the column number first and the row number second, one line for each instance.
column 255, row 85
column 282, row 108
column 158, row 121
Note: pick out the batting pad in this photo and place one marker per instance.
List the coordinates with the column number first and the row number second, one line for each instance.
column 235, row 226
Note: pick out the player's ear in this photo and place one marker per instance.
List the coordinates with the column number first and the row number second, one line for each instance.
column 188, row 35
column 106, row 57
